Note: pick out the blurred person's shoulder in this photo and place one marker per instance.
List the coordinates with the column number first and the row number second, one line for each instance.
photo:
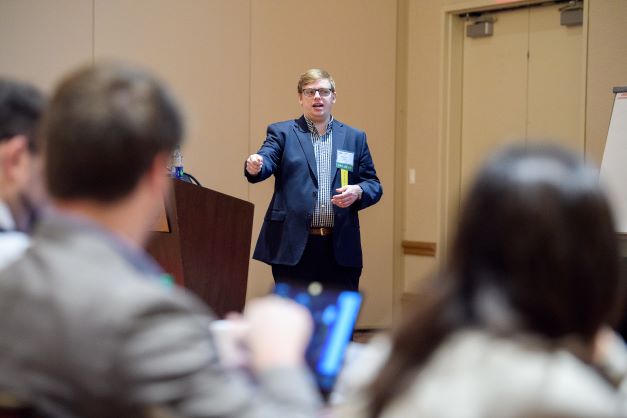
column 490, row 375
column 82, row 274
column 362, row 364
column 475, row 374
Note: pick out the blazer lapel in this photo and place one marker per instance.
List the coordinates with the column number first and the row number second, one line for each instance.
column 302, row 133
column 339, row 134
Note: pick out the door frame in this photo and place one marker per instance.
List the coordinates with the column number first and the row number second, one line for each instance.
column 452, row 36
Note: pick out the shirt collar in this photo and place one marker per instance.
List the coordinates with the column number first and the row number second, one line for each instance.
column 7, row 222
column 134, row 255
column 312, row 127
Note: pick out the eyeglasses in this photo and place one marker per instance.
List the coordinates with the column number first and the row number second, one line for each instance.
column 312, row 92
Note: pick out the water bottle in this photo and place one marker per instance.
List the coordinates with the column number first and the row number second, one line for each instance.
column 177, row 164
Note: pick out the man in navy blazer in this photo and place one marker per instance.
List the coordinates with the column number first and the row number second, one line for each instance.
column 324, row 175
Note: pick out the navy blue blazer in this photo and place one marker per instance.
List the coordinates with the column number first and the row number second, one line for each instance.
column 288, row 154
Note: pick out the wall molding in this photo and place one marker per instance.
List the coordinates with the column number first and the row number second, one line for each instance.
column 422, row 248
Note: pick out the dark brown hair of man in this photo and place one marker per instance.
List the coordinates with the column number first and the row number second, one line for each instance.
column 105, row 124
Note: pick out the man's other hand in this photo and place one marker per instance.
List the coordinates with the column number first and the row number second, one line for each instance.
column 347, row 195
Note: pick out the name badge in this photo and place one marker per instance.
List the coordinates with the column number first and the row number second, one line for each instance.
column 345, row 160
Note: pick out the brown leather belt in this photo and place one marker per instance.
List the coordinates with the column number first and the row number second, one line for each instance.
column 322, row 231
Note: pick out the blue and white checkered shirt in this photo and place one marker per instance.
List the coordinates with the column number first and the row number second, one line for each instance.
column 323, row 147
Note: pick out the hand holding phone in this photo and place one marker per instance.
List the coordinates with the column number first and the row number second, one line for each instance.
column 334, row 314
column 278, row 332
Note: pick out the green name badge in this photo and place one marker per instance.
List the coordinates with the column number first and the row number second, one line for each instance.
column 344, row 160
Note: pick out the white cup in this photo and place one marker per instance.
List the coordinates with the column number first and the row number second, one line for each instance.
column 229, row 337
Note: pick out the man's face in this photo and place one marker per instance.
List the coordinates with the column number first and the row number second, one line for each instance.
column 20, row 180
column 317, row 108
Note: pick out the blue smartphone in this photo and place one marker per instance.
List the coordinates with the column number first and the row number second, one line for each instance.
column 334, row 314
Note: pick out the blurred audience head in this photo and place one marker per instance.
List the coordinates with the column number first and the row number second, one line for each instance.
column 536, row 231
column 21, row 107
column 535, row 252
column 106, row 125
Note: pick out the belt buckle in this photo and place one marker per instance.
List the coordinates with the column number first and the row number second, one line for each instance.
column 322, row 231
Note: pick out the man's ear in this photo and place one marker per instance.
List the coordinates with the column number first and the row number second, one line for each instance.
column 158, row 175
column 13, row 155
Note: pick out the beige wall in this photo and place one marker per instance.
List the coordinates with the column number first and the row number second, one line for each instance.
column 423, row 110
column 40, row 40
column 234, row 65
column 202, row 49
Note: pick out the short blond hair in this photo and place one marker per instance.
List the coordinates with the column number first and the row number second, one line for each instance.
column 312, row 75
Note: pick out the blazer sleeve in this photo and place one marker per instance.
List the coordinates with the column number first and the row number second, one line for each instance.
column 368, row 180
column 272, row 151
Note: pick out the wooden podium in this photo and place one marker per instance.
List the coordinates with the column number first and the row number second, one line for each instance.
column 207, row 247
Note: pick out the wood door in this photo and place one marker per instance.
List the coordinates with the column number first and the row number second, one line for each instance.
column 521, row 84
